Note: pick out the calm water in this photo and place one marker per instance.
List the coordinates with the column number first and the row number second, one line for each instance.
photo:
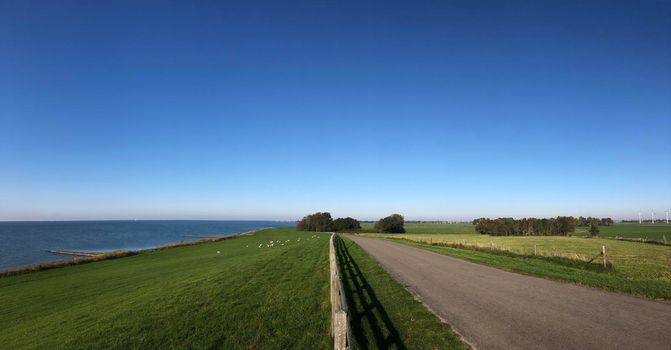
column 24, row 243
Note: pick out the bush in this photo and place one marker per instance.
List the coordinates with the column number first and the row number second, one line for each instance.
column 347, row 224
column 391, row 224
column 322, row 222
column 317, row 222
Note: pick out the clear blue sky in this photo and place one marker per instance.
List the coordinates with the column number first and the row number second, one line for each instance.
column 240, row 110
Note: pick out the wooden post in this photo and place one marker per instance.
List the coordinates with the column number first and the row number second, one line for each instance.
column 535, row 250
column 340, row 333
column 603, row 253
column 334, row 291
column 339, row 324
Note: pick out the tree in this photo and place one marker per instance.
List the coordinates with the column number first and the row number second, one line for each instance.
column 606, row 222
column 594, row 229
column 476, row 221
column 391, row 224
column 560, row 225
column 565, row 224
column 317, row 222
column 347, row 224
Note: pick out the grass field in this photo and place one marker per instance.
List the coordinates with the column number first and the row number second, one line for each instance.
column 383, row 314
column 430, row 228
column 657, row 232
column 645, row 231
column 641, row 269
column 186, row 297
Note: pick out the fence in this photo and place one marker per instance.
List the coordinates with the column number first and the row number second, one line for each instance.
column 339, row 323
column 521, row 251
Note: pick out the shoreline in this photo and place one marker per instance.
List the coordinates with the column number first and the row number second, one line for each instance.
column 82, row 257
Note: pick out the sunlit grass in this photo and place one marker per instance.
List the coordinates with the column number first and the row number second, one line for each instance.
column 634, row 260
column 658, row 232
column 430, row 228
column 638, row 268
column 234, row 294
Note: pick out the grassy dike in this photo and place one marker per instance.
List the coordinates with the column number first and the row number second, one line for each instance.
column 184, row 297
column 382, row 313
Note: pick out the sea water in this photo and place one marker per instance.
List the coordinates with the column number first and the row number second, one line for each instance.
column 25, row 243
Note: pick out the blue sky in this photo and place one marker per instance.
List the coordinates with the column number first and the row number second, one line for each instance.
column 272, row 110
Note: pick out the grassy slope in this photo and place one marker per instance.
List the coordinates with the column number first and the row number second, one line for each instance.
column 383, row 314
column 185, row 297
column 642, row 269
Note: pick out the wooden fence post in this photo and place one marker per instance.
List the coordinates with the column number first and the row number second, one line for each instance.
column 535, row 250
column 603, row 253
column 339, row 322
column 332, row 289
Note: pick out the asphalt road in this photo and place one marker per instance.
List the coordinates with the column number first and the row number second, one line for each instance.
column 496, row 309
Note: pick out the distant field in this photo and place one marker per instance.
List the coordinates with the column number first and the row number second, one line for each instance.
column 639, row 268
column 431, row 228
column 655, row 232
column 647, row 231
column 244, row 297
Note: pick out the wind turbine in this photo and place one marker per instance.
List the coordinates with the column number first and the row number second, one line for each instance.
column 640, row 218
column 652, row 215
column 667, row 216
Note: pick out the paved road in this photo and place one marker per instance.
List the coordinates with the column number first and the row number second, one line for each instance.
column 495, row 309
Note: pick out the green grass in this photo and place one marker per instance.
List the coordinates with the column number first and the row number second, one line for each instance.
column 185, row 297
column 657, row 232
column 430, row 228
column 646, row 231
column 382, row 313
column 640, row 269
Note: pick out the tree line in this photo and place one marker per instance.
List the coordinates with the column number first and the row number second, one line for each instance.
column 590, row 221
column 323, row 222
column 559, row 226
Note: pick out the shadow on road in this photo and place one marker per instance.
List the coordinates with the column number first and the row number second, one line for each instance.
column 365, row 311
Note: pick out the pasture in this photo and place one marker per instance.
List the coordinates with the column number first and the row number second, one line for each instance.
column 657, row 232
column 646, row 231
column 430, row 228
column 235, row 294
